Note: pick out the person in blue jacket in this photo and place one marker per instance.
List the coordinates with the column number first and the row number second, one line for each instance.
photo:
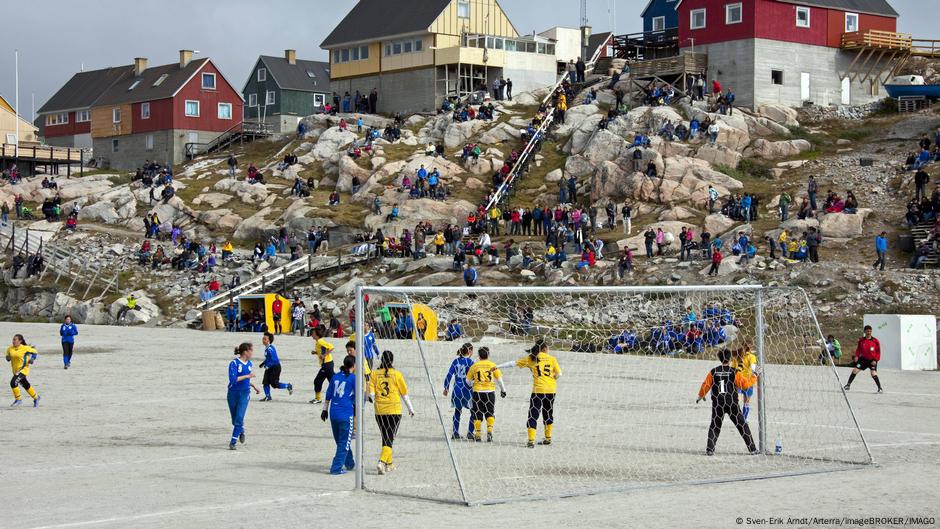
column 68, row 331
column 460, row 398
column 272, row 369
column 454, row 330
column 339, row 406
column 368, row 343
column 239, row 390
column 231, row 317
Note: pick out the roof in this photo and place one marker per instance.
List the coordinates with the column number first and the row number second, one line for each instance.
column 597, row 40
column 870, row 7
column 84, row 89
column 650, row 4
column 121, row 93
column 372, row 20
column 298, row 76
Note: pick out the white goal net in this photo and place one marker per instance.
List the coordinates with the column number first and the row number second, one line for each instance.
column 632, row 362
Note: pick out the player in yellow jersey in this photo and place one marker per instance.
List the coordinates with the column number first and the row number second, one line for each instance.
column 545, row 373
column 387, row 389
column 323, row 350
column 21, row 356
column 745, row 362
column 483, row 377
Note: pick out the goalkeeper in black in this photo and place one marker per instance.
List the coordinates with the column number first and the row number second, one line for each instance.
column 724, row 382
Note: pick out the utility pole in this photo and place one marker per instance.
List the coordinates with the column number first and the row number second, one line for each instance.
column 16, row 102
column 585, row 32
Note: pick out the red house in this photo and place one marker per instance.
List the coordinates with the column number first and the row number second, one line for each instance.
column 162, row 113
column 65, row 119
column 786, row 51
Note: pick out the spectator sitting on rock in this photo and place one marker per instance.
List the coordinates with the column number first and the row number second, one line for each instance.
column 334, row 199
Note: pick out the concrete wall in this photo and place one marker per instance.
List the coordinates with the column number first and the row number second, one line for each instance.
column 529, row 71
column 567, row 45
column 406, row 92
column 168, row 147
column 746, row 66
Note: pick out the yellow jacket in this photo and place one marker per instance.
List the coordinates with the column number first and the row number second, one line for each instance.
column 20, row 357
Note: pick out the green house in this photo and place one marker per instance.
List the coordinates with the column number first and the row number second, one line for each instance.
column 282, row 90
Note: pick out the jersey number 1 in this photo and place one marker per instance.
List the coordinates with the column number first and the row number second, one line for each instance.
column 721, row 387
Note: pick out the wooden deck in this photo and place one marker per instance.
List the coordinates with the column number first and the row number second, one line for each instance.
column 686, row 63
column 883, row 54
column 41, row 154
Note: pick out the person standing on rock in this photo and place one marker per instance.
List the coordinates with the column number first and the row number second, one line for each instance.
column 811, row 189
column 626, row 212
column 232, row 165
column 68, row 331
column 784, row 205
column 813, row 240
column 881, row 249
column 649, row 238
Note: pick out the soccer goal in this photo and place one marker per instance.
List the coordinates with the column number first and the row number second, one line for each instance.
column 624, row 415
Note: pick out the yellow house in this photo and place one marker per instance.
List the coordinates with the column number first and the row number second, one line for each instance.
column 415, row 53
column 29, row 134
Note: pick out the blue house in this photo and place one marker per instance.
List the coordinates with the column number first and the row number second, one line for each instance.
column 660, row 15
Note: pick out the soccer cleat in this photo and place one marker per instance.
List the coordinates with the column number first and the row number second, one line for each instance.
column 545, row 442
column 231, row 446
column 290, row 389
column 241, row 438
column 755, row 452
column 381, row 467
column 475, row 438
column 339, row 472
column 36, row 401
column 66, row 366
column 389, row 467
column 709, row 453
column 316, row 401
column 880, row 391
column 455, row 436
column 489, row 437
column 530, row 444
column 846, row 387
column 16, row 402
column 470, row 436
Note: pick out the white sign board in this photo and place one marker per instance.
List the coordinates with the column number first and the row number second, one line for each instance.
column 908, row 342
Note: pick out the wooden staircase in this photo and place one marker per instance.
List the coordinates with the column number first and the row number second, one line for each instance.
column 919, row 234
column 246, row 131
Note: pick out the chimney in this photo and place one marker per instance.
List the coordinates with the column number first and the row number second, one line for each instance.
column 140, row 64
column 186, row 56
column 291, row 56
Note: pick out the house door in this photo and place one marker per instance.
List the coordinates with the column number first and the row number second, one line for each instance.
column 804, row 86
column 846, row 91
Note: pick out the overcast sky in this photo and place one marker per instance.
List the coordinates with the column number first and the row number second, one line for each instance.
column 57, row 37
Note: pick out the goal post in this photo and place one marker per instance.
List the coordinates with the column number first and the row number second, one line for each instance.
column 631, row 359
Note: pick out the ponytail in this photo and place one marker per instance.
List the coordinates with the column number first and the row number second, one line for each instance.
column 387, row 359
column 243, row 348
column 465, row 349
column 348, row 363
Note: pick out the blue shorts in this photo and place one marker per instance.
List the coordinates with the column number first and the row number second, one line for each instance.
column 458, row 400
column 749, row 392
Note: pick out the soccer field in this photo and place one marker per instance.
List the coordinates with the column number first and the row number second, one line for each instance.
column 135, row 435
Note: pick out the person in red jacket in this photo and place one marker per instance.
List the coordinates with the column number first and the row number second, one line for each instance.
column 867, row 355
column 276, row 307
column 716, row 262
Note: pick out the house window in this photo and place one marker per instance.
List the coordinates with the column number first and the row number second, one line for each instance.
column 145, row 111
column 82, row 116
column 733, row 13
column 115, row 145
column 319, row 100
column 336, row 56
column 58, row 119
column 115, row 115
column 225, row 111
column 364, row 53
column 133, row 85
column 252, row 100
column 407, row 46
column 208, row 81
column 160, row 79
column 396, row 48
column 697, row 19
column 269, row 98
column 355, row 54
column 851, row 22
column 344, row 54
column 776, row 77
column 419, row 45
column 262, row 74
column 388, row 50
column 192, row 109
column 463, row 9
column 659, row 23
column 802, row 17
column 148, row 142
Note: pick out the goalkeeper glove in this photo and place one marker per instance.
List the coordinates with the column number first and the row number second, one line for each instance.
column 323, row 415
column 502, row 394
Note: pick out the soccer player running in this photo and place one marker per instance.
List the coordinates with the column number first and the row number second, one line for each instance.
column 324, row 352
column 462, row 396
column 21, row 356
column 545, row 373
column 68, row 331
column 387, row 389
column 239, row 391
column 867, row 355
column 339, row 407
column 723, row 382
column 272, row 369
column 745, row 362
column 484, row 376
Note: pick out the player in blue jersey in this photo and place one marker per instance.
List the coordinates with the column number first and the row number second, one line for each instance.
column 460, row 398
column 239, row 389
column 368, row 344
column 339, row 406
column 272, row 369
column 68, row 331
